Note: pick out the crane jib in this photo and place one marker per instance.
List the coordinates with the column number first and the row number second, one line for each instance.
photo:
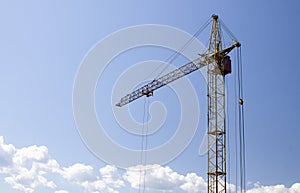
column 148, row 89
column 164, row 80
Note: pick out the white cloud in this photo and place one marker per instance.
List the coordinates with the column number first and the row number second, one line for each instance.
column 29, row 168
column 31, row 153
column 161, row 178
column 98, row 185
column 258, row 188
column 109, row 181
column 194, row 183
column 6, row 154
column 61, row 191
column 230, row 187
column 111, row 176
column 26, row 167
column 27, row 180
column 78, row 173
column 83, row 175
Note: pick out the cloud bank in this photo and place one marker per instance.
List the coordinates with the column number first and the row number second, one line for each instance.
column 29, row 168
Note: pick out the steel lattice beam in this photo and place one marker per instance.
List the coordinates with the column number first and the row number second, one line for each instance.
column 164, row 80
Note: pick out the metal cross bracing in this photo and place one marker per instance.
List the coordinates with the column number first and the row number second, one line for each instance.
column 216, row 116
column 218, row 66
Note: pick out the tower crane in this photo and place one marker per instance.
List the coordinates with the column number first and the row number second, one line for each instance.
column 218, row 64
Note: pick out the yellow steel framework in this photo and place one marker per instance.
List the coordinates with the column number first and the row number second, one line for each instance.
column 216, row 114
column 213, row 58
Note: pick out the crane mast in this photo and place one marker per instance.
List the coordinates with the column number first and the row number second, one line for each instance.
column 216, row 115
column 218, row 66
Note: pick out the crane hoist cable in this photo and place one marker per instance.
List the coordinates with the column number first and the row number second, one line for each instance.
column 236, row 121
column 144, row 146
column 241, row 124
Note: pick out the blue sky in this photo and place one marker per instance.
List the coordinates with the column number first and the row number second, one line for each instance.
column 44, row 42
